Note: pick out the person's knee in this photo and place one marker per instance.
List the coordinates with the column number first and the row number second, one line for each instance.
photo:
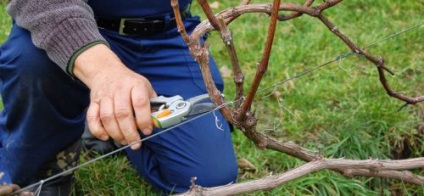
column 220, row 175
column 205, row 174
column 174, row 175
column 181, row 181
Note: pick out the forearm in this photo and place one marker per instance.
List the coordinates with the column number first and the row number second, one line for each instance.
column 60, row 27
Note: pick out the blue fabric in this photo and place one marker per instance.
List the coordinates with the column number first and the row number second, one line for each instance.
column 44, row 112
column 43, row 107
column 134, row 8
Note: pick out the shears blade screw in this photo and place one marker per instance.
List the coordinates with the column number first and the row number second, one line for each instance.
column 181, row 105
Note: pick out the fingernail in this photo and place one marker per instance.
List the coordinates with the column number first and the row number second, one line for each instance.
column 124, row 142
column 147, row 131
column 136, row 146
column 104, row 137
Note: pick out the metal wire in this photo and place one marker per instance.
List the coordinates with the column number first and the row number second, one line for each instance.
column 342, row 56
column 41, row 182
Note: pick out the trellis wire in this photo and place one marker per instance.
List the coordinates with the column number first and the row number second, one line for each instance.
column 338, row 58
column 41, row 182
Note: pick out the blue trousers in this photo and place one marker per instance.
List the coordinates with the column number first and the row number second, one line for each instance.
column 44, row 112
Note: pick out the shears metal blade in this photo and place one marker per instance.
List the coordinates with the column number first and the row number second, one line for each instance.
column 169, row 111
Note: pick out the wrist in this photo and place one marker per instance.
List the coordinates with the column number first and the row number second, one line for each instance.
column 93, row 61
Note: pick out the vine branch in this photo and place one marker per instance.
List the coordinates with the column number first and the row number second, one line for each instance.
column 379, row 167
column 263, row 65
column 241, row 116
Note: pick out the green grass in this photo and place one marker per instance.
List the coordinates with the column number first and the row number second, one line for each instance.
column 340, row 110
column 111, row 176
column 5, row 22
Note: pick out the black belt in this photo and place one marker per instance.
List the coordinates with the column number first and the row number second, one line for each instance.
column 138, row 26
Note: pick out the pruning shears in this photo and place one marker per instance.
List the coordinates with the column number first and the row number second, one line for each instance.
column 170, row 111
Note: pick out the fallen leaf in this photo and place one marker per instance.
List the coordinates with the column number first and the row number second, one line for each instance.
column 214, row 5
column 226, row 72
column 246, row 165
column 276, row 94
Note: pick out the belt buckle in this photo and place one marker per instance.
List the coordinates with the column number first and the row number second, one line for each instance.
column 122, row 26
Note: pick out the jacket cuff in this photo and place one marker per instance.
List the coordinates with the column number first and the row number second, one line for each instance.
column 70, row 66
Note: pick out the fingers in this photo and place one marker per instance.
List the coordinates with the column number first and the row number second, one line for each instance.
column 125, row 118
column 120, row 117
column 94, row 124
column 141, row 105
column 108, row 120
column 7, row 189
column 114, row 120
column 120, row 106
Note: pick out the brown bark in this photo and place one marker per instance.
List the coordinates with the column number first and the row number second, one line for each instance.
column 241, row 116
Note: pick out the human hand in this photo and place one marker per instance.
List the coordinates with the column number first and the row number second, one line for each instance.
column 6, row 189
column 119, row 97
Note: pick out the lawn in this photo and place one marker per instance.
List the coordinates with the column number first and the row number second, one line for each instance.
column 339, row 109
